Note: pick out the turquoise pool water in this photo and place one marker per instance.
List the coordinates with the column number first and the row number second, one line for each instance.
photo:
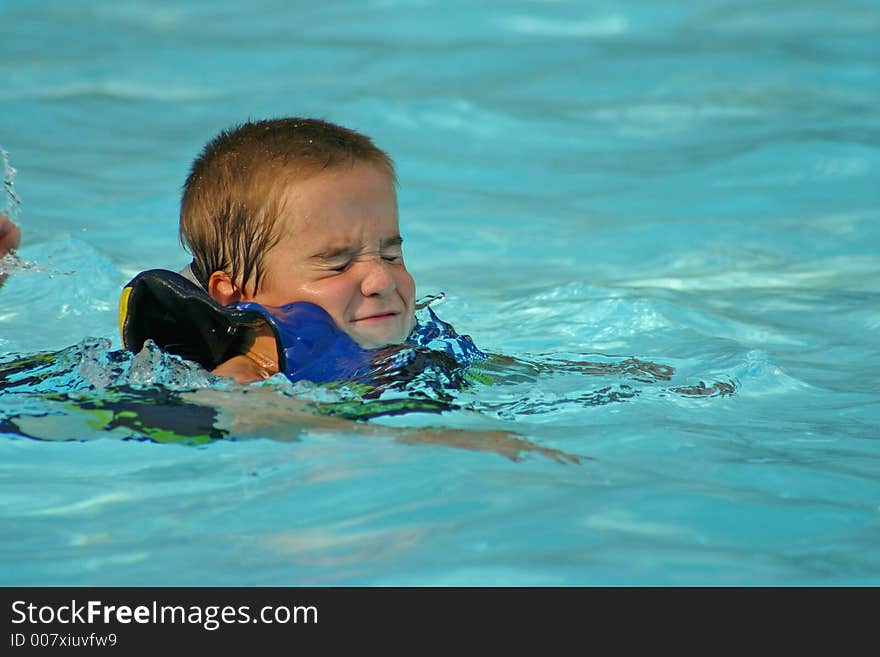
column 691, row 185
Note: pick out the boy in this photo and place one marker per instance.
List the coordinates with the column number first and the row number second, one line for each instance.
column 276, row 212
column 287, row 210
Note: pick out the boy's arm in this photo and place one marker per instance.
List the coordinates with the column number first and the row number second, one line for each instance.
column 501, row 367
column 203, row 416
column 507, row 369
column 258, row 413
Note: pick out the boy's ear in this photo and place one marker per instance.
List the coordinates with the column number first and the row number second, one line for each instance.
column 222, row 290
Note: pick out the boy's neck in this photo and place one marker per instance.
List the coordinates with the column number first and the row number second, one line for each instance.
column 262, row 349
column 257, row 361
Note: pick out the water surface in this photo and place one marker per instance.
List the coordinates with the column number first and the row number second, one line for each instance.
column 693, row 186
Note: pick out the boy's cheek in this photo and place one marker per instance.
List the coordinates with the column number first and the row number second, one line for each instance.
column 408, row 286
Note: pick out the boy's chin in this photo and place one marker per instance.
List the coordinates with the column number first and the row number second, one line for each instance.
column 377, row 342
column 380, row 339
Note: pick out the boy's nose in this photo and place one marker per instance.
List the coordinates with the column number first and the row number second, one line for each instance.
column 377, row 280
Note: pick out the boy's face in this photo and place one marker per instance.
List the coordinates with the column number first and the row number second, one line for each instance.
column 340, row 249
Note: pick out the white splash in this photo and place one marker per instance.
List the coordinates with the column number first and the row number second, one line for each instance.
column 12, row 203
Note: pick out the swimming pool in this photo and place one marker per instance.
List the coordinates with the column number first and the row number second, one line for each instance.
column 693, row 186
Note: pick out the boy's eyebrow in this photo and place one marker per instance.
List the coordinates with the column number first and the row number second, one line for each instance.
column 350, row 251
column 397, row 240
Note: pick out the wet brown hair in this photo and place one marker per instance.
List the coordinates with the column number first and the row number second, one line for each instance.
column 234, row 193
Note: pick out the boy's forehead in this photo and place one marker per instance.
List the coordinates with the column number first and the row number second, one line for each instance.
column 340, row 208
column 329, row 236
column 334, row 249
column 328, row 226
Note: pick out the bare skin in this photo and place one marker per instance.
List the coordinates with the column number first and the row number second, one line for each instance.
column 247, row 413
column 341, row 249
column 258, row 360
column 260, row 415
column 10, row 235
column 10, row 238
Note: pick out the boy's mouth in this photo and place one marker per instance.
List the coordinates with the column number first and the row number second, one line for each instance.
column 376, row 317
column 378, row 329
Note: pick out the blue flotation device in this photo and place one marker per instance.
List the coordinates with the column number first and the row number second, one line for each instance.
column 181, row 318
column 311, row 346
